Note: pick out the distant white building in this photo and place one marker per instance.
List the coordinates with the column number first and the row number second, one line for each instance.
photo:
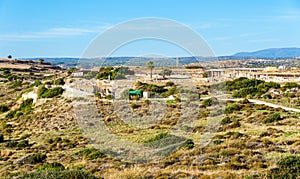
column 282, row 67
column 80, row 73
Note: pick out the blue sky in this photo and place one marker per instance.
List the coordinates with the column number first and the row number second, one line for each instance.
column 65, row 28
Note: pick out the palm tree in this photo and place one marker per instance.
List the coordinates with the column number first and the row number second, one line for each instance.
column 150, row 65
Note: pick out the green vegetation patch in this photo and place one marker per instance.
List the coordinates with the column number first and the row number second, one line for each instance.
column 113, row 73
column 3, row 108
column 55, row 166
column 91, row 153
column 288, row 167
column 43, row 92
column 65, row 174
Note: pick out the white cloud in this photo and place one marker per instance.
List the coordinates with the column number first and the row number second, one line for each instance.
column 57, row 32
column 263, row 40
column 221, row 38
column 252, row 34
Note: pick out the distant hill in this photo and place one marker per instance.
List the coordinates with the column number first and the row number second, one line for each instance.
column 271, row 53
column 115, row 61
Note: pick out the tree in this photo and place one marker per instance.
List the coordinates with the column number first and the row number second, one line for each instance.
column 150, row 65
column 165, row 72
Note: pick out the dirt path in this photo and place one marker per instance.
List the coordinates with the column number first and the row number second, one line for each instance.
column 255, row 101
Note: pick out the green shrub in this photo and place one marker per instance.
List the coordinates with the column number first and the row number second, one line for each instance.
column 43, row 92
column 26, row 106
column 11, row 114
column 274, row 117
column 242, row 83
column 171, row 91
column 232, row 135
column 207, row 102
column 114, row 73
column 189, row 144
column 289, row 95
column 25, row 136
column 244, row 92
column 170, row 83
column 59, row 81
column 267, row 96
column 16, row 144
column 3, row 108
column 290, row 164
column 65, row 174
column 1, row 138
column 157, row 137
column 218, row 141
column 230, row 108
column 226, row 120
column 37, row 158
column 36, row 83
column 150, row 87
column 55, row 166
column 289, row 85
column 91, row 153
column 6, row 126
column 95, row 155
column 109, row 97
column 98, row 95
column 288, row 167
column 134, row 105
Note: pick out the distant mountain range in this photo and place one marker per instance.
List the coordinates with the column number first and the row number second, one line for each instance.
column 271, row 53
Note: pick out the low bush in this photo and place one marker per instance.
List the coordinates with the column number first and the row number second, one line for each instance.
column 274, row 117
column 16, row 144
column 289, row 85
column 207, row 102
column 226, row 120
column 189, row 144
column 91, row 153
column 218, row 141
column 232, row 135
column 55, row 166
column 267, row 96
column 65, row 174
column 11, row 114
column 170, row 83
column 3, row 108
column 59, row 81
column 230, row 108
column 43, row 92
column 1, row 138
column 26, row 106
column 37, row 158
column 210, row 102
column 289, row 95
column 287, row 167
column 134, row 105
column 157, row 137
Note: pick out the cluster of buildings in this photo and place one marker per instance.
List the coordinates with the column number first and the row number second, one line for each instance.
column 275, row 74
